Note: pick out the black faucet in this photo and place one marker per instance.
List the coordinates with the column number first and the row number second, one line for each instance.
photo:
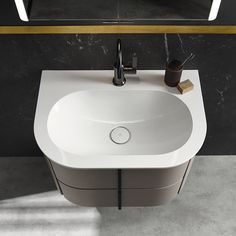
column 120, row 70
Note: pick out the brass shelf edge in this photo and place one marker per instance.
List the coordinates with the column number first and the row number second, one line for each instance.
column 119, row 29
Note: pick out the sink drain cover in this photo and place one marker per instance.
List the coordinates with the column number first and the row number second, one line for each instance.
column 120, row 135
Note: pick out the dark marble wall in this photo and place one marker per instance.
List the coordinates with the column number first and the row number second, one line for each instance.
column 23, row 57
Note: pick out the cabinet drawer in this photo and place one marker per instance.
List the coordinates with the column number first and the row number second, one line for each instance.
column 91, row 197
column 107, row 179
column 91, row 179
column 152, row 178
column 149, row 197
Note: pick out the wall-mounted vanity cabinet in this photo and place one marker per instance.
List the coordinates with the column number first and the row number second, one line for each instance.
column 118, row 11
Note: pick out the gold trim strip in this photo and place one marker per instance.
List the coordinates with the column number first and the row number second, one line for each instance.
column 118, row 29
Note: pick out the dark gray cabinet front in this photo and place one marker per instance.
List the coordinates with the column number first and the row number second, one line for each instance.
column 134, row 187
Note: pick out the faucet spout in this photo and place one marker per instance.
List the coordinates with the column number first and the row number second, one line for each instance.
column 120, row 70
column 119, row 77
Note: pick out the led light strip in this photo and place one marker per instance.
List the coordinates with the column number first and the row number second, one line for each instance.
column 21, row 10
column 214, row 10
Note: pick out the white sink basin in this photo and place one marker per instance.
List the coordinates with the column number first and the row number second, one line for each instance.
column 153, row 123
column 84, row 121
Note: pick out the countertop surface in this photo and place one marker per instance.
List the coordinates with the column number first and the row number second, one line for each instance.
column 57, row 84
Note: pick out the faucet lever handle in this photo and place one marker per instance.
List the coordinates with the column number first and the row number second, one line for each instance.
column 132, row 69
column 135, row 62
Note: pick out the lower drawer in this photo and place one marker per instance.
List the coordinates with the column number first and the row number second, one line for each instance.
column 90, row 197
column 130, row 197
column 149, row 197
